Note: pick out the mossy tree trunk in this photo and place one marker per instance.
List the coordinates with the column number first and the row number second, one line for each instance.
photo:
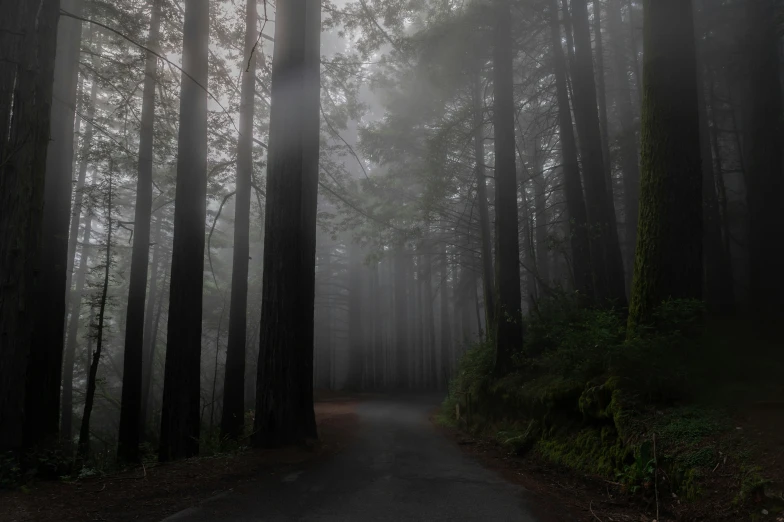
column 668, row 262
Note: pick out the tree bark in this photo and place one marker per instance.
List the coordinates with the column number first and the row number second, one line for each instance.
column 509, row 319
column 668, row 261
column 181, row 391
column 131, row 399
column 151, row 319
column 284, row 393
column 46, row 351
column 445, row 323
column 29, row 67
column 354, row 377
column 401, row 317
column 234, row 383
column 573, row 189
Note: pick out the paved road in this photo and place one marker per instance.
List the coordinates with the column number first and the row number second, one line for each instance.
column 399, row 468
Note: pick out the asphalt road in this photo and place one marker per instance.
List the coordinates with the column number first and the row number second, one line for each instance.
column 399, row 468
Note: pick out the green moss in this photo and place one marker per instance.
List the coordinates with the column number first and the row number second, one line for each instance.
column 591, row 450
column 752, row 483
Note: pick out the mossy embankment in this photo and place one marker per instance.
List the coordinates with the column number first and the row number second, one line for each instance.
column 649, row 414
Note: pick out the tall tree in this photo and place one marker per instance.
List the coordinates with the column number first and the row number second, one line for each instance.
column 46, row 351
column 573, row 189
column 234, row 383
column 181, row 391
column 28, row 73
column 627, row 141
column 509, row 319
column 152, row 317
column 130, row 405
column 605, row 250
column 446, row 328
column 355, row 318
column 284, row 386
column 668, row 262
column 764, row 141
column 401, row 315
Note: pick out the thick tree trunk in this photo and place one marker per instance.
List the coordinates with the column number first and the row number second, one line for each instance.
column 234, row 382
column 509, row 320
column 23, row 152
column 131, row 399
column 627, row 141
column 573, row 190
column 668, row 261
column 89, row 396
column 488, row 279
column 46, row 351
column 181, row 391
column 66, row 419
column 284, row 393
column 605, row 248
column 764, row 141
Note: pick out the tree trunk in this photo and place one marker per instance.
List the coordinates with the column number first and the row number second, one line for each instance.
column 284, row 392
column 23, row 150
column 605, row 248
column 509, row 320
column 484, row 213
column 234, row 383
column 627, row 141
column 181, row 387
column 151, row 320
column 401, row 317
column 765, row 135
column 66, row 421
column 430, row 332
column 131, row 400
column 89, row 396
column 668, row 261
column 46, row 351
column 573, row 190
column 354, row 377
column 601, row 93
column 540, row 206
column 445, row 323
column 378, row 341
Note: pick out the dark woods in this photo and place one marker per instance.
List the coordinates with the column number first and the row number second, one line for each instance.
column 209, row 210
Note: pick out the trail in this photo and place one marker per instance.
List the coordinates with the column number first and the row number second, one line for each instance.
column 398, row 468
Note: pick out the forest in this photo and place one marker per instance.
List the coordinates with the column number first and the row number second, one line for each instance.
column 561, row 218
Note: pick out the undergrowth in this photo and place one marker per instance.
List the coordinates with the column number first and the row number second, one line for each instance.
column 583, row 395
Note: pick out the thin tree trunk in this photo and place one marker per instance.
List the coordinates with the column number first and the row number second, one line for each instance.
column 45, row 363
column 131, row 399
column 540, row 205
column 573, row 190
column 180, row 415
column 445, row 323
column 150, row 327
column 509, row 320
column 284, row 392
column 89, row 397
column 234, row 383
column 430, row 340
column 354, row 377
column 378, row 341
column 671, row 181
column 401, row 316
column 601, row 93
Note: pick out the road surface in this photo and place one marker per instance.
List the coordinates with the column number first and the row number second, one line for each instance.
column 398, row 468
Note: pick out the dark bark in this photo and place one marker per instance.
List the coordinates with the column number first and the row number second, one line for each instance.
column 46, row 350
column 29, row 67
column 430, row 332
column 355, row 353
column 284, row 385
column 180, row 408
column 151, row 320
column 66, row 420
column 668, row 261
column 601, row 94
column 540, row 207
column 627, row 141
column 378, row 341
column 445, row 322
column 763, row 140
column 605, row 248
column 509, row 321
column 234, row 382
column 89, row 396
column 488, row 280
column 131, row 399
column 575, row 203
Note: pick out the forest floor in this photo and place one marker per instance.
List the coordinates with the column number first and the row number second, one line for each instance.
column 153, row 492
column 593, row 498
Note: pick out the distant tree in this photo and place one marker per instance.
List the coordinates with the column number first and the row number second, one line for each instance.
column 509, row 320
column 181, row 386
column 25, row 108
column 232, row 419
column 284, row 385
column 668, row 261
